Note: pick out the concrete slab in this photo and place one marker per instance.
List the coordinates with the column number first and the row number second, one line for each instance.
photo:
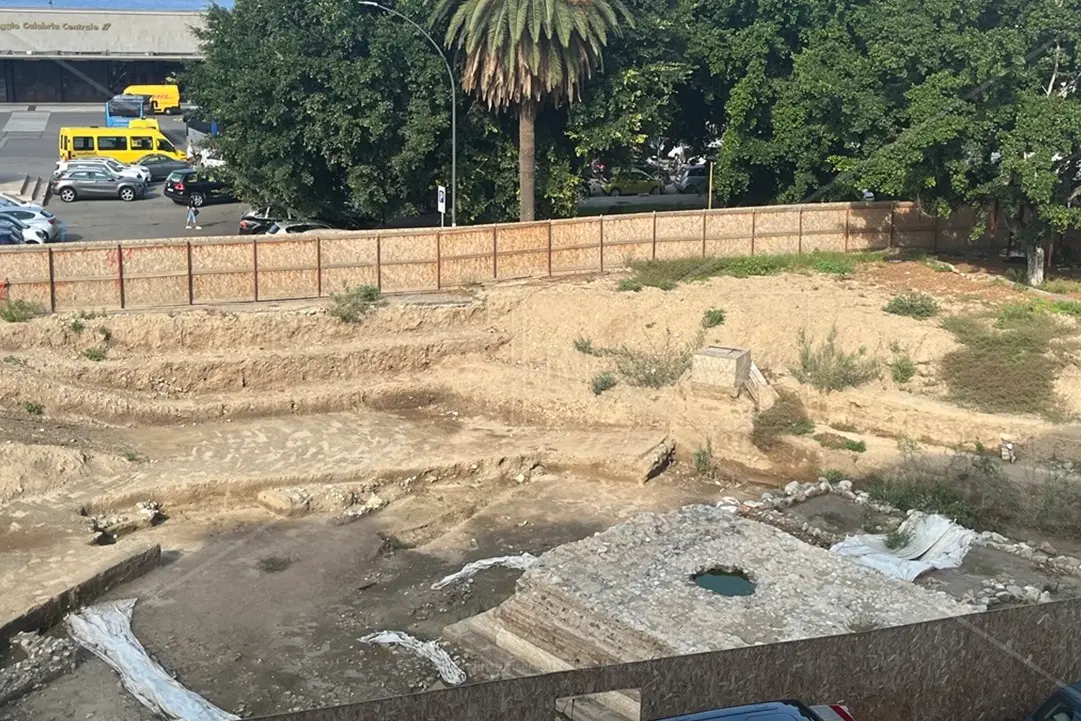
column 628, row 594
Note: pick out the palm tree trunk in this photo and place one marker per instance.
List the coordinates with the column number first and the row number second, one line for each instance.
column 527, row 160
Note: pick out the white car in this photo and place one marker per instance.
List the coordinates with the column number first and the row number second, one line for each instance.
column 39, row 219
column 116, row 167
column 23, row 233
column 297, row 226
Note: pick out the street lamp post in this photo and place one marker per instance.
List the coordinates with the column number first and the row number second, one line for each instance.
column 453, row 107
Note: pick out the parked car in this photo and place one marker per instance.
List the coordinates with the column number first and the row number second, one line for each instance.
column 160, row 166
column 632, row 181
column 297, row 226
column 771, row 711
column 694, row 179
column 201, row 185
column 97, row 183
column 1064, row 705
column 113, row 166
column 257, row 221
column 23, row 233
column 40, row 219
column 10, row 200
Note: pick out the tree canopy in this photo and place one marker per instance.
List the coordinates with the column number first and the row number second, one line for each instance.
column 948, row 102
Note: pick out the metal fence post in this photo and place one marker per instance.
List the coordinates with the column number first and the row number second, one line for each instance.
column 255, row 267
column 52, row 283
column 379, row 262
column 120, row 270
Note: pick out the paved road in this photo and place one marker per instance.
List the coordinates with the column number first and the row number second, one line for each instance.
column 28, row 147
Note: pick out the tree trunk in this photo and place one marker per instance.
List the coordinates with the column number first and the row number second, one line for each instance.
column 1035, row 255
column 527, row 160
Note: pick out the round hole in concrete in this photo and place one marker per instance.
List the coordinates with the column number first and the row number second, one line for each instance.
column 725, row 581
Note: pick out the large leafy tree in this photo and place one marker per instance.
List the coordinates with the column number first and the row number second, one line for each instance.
column 522, row 53
column 325, row 104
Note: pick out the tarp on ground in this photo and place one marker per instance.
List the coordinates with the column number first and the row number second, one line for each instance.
column 105, row 631
column 933, row 542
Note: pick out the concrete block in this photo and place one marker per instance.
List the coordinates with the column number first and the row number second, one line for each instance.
column 288, row 502
column 721, row 369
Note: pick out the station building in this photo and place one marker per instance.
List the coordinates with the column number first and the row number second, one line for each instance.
column 79, row 51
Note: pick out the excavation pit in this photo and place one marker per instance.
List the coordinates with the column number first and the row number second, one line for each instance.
column 725, row 582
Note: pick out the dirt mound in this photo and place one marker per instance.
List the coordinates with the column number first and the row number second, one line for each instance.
column 204, row 330
column 33, row 469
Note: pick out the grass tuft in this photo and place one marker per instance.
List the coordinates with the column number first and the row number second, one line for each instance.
column 33, row 408
column 898, row 539
column 1008, row 366
column 914, row 305
column 354, row 304
column 833, row 475
column 828, row 368
column 713, row 317
column 1061, row 285
column 603, row 382
column 585, row 345
column 835, row 442
column 94, row 354
column 902, row 369
column 703, row 459
column 786, row 417
column 20, row 311
column 105, row 334
column 77, row 325
column 666, row 274
column 15, row 361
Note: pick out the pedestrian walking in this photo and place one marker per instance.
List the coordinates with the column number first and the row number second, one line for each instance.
column 193, row 214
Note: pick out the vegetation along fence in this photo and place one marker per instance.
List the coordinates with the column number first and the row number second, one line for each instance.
column 141, row 273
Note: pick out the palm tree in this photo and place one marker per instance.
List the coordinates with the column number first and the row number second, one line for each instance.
column 519, row 53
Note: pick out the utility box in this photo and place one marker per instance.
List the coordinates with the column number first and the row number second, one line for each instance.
column 719, row 369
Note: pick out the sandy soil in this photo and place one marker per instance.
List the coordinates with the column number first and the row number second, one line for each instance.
column 450, row 407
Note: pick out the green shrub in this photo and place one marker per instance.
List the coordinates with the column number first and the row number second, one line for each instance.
column 902, row 369
column 14, row 361
column 77, row 326
column 833, row 475
column 603, row 382
column 105, row 334
column 585, row 345
column 19, row 311
column 354, row 304
column 629, row 285
column 828, row 368
column 713, row 318
column 898, row 539
column 94, row 354
column 913, row 305
column 33, row 408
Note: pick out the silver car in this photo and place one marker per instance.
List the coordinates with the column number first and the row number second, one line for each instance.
column 110, row 164
column 40, row 218
column 91, row 183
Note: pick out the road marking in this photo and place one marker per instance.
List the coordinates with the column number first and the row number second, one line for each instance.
column 26, row 122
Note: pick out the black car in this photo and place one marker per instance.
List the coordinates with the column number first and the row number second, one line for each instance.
column 160, row 166
column 202, row 186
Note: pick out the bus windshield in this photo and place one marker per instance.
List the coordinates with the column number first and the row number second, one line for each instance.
column 122, row 109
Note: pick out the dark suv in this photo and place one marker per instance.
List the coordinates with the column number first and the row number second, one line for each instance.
column 200, row 184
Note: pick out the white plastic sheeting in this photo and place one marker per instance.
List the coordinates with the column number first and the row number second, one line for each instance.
column 448, row 670
column 934, row 541
column 521, row 561
column 105, row 630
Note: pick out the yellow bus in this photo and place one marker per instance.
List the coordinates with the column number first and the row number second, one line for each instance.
column 124, row 144
column 163, row 98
